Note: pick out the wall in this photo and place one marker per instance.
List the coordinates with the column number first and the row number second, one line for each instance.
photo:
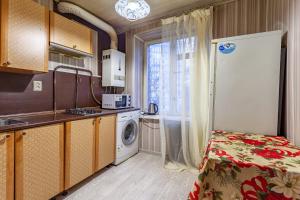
column 16, row 95
column 250, row 16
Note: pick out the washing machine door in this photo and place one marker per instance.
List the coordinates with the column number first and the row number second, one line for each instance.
column 129, row 133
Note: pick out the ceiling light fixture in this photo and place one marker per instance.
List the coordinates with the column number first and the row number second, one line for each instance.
column 132, row 9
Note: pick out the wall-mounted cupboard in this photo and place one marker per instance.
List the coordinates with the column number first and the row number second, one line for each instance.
column 28, row 29
column 24, row 36
column 70, row 34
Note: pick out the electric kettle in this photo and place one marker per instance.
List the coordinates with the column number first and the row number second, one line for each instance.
column 152, row 109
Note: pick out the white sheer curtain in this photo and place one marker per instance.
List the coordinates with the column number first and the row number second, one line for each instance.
column 293, row 73
column 184, row 88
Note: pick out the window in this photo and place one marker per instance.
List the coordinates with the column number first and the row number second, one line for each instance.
column 153, row 67
column 158, row 58
column 153, row 70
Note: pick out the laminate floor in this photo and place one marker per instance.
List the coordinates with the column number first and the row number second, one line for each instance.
column 142, row 177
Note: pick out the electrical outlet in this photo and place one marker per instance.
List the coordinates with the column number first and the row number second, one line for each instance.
column 37, row 86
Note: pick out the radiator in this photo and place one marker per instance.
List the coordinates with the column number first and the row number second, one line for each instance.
column 149, row 140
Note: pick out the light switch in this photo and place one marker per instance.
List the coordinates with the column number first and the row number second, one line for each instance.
column 37, row 86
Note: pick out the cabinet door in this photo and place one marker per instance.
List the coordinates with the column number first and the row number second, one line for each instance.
column 70, row 34
column 80, row 151
column 24, row 36
column 39, row 158
column 105, row 141
column 7, row 166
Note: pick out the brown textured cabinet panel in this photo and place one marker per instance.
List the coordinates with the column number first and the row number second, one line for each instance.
column 39, row 161
column 80, row 151
column 105, row 141
column 70, row 34
column 24, row 36
column 7, row 166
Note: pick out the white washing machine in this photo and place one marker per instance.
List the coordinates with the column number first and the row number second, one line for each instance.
column 127, row 141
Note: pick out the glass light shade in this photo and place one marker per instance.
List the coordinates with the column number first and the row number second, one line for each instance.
column 132, row 9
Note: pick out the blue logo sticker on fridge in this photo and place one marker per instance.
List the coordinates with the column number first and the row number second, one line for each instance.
column 227, row 48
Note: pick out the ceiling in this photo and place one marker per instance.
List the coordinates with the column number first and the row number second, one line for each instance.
column 159, row 8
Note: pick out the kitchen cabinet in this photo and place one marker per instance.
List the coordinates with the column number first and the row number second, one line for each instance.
column 7, row 166
column 24, row 36
column 105, row 141
column 80, row 151
column 70, row 34
column 39, row 161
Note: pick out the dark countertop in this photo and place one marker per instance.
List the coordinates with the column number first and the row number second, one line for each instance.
column 40, row 119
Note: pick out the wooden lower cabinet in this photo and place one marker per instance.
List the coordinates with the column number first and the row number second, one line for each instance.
column 80, row 151
column 39, row 160
column 7, row 166
column 105, row 141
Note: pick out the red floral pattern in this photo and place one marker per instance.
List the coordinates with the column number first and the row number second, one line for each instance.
column 252, row 160
column 255, row 185
column 269, row 153
column 254, row 142
column 276, row 196
column 195, row 194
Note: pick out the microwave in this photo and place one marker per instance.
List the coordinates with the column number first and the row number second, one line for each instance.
column 116, row 101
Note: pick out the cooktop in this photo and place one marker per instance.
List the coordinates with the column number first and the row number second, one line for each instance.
column 83, row 111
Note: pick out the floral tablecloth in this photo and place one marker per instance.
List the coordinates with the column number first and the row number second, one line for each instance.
column 248, row 166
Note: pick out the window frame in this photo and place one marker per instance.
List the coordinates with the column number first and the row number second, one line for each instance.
column 145, row 72
column 145, row 69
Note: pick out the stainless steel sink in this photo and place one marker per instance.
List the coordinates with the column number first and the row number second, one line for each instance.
column 11, row 122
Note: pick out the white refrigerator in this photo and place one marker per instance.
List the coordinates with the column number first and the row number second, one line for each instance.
column 244, row 86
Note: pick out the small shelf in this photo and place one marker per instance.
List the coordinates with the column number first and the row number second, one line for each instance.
column 68, row 51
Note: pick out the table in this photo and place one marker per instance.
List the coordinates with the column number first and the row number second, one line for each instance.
column 248, row 166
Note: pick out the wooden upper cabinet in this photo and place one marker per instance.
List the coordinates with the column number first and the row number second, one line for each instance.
column 39, row 161
column 24, row 36
column 79, row 151
column 105, row 141
column 70, row 34
column 7, row 166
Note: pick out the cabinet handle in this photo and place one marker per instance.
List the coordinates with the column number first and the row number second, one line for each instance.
column 2, row 141
column 24, row 133
column 6, row 63
column 74, row 46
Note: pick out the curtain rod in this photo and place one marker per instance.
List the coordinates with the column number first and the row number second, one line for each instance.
column 213, row 4
column 220, row 3
column 178, row 13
